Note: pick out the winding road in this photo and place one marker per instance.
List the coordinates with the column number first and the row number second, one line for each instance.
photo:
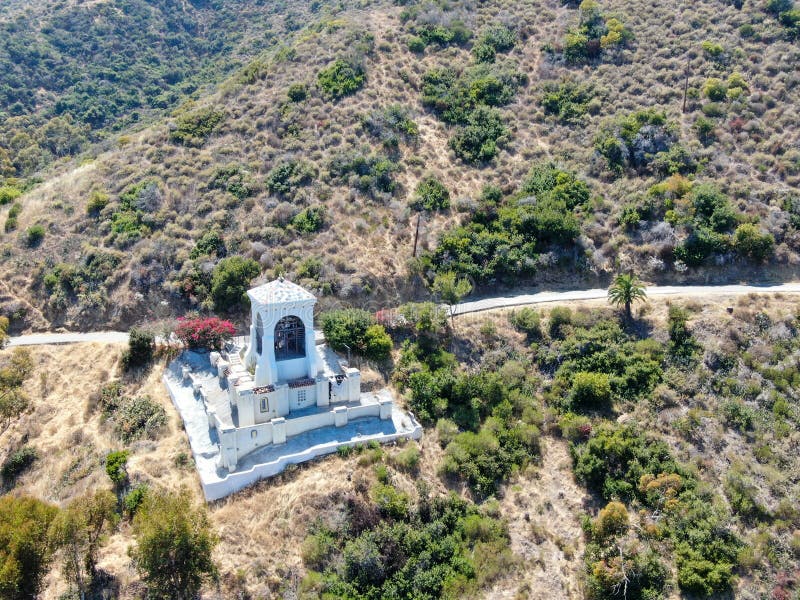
column 690, row 291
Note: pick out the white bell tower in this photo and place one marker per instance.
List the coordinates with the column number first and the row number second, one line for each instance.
column 282, row 345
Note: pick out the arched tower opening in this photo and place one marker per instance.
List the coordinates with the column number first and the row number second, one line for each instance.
column 290, row 338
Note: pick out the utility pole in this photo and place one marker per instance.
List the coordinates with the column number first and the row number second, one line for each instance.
column 686, row 85
column 416, row 236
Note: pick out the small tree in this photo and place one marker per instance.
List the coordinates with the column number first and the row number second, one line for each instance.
column 207, row 333
column 141, row 345
column 626, row 290
column 25, row 547
column 450, row 289
column 78, row 531
column 116, row 468
column 174, row 543
column 230, row 280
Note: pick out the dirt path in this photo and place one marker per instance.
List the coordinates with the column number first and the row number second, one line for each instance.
column 543, row 508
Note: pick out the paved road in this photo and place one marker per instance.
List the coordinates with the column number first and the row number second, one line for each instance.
column 652, row 292
column 36, row 339
column 697, row 291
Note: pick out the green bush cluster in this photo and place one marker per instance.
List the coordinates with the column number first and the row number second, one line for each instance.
column 8, row 194
column 211, row 243
column 493, row 406
column 468, row 99
column 66, row 282
column 230, row 281
column 596, row 33
column 194, row 128
column 12, row 219
column 568, row 100
column 442, row 28
column 619, row 462
column 16, row 463
column 310, row 220
column 140, row 350
column 14, row 370
column 132, row 418
column 341, row 78
column 505, row 241
column 372, row 174
column 644, row 141
column 710, row 219
column 595, row 363
column 285, row 177
column 494, row 39
column 357, row 330
column 431, row 195
column 233, row 179
column 439, row 547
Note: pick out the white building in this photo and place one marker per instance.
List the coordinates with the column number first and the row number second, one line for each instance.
column 283, row 383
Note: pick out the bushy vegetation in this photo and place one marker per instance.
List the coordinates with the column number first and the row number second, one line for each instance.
column 341, row 78
column 372, row 174
column 431, row 195
column 645, row 141
column 567, row 100
column 357, row 331
column 543, row 215
column 193, row 128
column 206, row 333
column 141, row 347
column 390, row 546
column 17, row 463
column 496, row 38
column 619, row 462
column 174, row 545
column 131, row 417
column 14, row 370
column 230, row 281
column 595, row 34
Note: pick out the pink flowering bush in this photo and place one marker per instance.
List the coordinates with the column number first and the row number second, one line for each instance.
column 204, row 332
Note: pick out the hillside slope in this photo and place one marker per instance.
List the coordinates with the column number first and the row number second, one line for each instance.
column 287, row 166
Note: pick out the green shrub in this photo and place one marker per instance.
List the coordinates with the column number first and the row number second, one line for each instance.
column 116, row 467
column 233, row 179
column 211, row 243
column 12, row 218
column 98, row 200
column 297, row 92
column 590, row 391
column 713, row 49
column 416, row 44
column 715, row 89
column 192, row 129
column 17, row 463
column 341, row 78
column 528, row 321
column 481, row 138
column 495, row 39
column 431, row 195
column 408, row 458
column 567, row 100
column 750, row 241
column 9, row 194
column 309, row 220
column 372, row 174
column 141, row 346
column 134, row 499
column 356, row 329
column 26, row 547
column 639, row 141
column 391, row 502
column 558, row 318
column 137, row 418
column 34, row 235
column 285, row 177
column 612, row 520
column 230, row 281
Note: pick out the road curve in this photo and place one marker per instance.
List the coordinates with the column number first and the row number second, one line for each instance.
column 696, row 291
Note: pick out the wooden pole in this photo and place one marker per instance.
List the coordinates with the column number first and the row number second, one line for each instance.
column 686, row 85
column 416, row 236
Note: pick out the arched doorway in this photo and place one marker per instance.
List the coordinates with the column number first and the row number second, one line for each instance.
column 290, row 338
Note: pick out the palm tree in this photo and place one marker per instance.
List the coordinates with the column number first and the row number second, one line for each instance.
column 626, row 290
